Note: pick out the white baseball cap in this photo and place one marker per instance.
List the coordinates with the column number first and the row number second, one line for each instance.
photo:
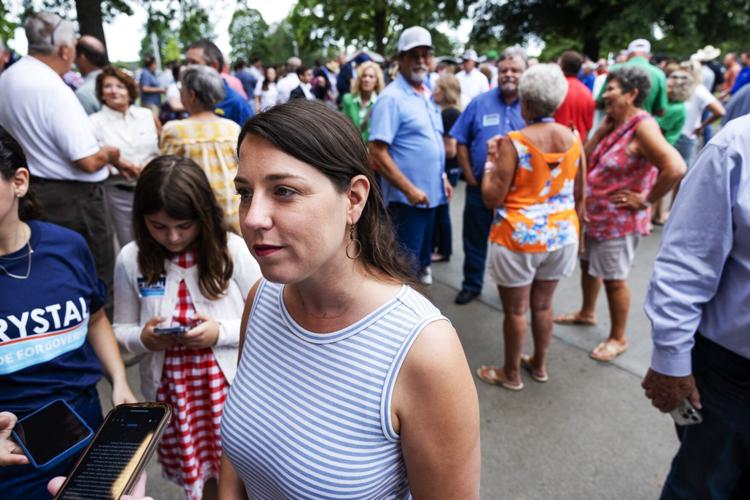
column 470, row 55
column 639, row 45
column 416, row 36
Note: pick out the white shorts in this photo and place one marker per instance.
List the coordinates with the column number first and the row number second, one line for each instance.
column 611, row 259
column 515, row 269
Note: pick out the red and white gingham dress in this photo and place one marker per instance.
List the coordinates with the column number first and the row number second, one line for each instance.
column 192, row 382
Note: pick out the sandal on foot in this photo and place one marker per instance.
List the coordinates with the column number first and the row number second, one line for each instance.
column 494, row 375
column 537, row 375
column 607, row 351
column 574, row 319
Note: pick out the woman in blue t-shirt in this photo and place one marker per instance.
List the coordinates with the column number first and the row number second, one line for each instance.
column 54, row 335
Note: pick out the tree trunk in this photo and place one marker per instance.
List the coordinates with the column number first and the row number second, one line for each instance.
column 379, row 23
column 591, row 46
column 90, row 21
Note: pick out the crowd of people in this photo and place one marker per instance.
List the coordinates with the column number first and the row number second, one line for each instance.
column 288, row 218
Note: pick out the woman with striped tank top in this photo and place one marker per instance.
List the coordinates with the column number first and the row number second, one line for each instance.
column 350, row 384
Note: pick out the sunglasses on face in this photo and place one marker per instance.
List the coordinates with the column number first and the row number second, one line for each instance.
column 417, row 54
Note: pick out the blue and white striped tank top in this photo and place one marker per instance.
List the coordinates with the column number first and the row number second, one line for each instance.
column 309, row 415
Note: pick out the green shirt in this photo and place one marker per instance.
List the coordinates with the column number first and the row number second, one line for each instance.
column 351, row 106
column 672, row 121
column 656, row 100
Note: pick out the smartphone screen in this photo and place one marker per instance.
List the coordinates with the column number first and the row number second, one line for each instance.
column 120, row 448
column 50, row 432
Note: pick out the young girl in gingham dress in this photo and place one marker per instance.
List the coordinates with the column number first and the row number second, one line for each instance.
column 183, row 269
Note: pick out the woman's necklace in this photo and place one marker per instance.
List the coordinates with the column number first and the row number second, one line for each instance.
column 28, row 267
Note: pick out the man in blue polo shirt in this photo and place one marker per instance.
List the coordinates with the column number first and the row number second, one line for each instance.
column 406, row 145
column 492, row 113
column 234, row 106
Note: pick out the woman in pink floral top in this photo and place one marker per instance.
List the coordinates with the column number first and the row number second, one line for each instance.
column 631, row 165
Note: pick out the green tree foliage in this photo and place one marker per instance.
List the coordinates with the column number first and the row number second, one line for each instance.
column 179, row 22
column 248, row 33
column 6, row 24
column 596, row 26
column 90, row 14
column 373, row 24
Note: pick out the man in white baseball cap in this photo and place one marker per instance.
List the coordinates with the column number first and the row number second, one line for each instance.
column 639, row 53
column 406, row 146
column 473, row 82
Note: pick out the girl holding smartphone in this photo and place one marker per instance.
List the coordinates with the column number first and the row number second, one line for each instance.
column 183, row 269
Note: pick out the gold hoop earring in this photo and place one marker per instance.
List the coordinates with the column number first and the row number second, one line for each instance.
column 353, row 240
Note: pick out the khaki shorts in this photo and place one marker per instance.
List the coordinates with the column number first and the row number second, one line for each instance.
column 611, row 259
column 515, row 269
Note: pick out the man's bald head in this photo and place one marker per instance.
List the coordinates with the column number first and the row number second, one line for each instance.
column 90, row 54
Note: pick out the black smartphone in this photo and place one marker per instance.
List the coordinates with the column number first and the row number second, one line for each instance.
column 170, row 330
column 51, row 434
column 121, row 448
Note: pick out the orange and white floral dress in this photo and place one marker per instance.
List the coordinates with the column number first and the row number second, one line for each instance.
column 538, row 214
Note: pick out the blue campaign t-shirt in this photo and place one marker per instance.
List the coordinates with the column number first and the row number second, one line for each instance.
column 234, row 107
column 486, row 116
column 44, row 353
column 412, row 126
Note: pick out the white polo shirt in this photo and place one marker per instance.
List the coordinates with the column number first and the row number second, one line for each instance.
column 46, row 118
column 472, row 84
column 133, row 132
column 285, row 87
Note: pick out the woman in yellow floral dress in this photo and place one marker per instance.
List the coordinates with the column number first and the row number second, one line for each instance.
column 206, row 138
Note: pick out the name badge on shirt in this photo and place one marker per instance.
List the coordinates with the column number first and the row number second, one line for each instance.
column 157, row 289
column 491, row 120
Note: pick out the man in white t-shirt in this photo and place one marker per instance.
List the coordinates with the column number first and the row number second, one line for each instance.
column 701, row 100
column 473, row 82
column 290, row 82
column 66, row 162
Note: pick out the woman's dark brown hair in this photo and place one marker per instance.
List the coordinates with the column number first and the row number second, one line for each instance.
column 12, row 158
column 333, row 145
column 120, row 75
column 179, row 187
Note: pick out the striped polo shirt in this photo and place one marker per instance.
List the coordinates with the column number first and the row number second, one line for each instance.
column 309, row 415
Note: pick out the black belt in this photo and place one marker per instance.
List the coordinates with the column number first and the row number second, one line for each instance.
column 41, row 180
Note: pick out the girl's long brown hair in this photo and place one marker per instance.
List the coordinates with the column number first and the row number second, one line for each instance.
column 178, row 186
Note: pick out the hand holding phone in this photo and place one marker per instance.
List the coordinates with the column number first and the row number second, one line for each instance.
column 51, row 434
column 154, row 341
column 204, row 334
column 686, row 414
column 10, row 452
column 111, row 464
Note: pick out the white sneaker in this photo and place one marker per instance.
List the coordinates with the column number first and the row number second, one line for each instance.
column 426, row 277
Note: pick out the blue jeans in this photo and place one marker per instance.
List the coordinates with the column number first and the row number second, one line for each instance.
column 477, row 222
column 24, row 482
column 713, row 461
column 442, row 240
column 414, row 228
column 686, row 147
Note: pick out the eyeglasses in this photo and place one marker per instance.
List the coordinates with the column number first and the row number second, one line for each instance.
column 417, row 54
column 52, row 33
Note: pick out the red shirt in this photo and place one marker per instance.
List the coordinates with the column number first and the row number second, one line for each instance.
column 578, row 107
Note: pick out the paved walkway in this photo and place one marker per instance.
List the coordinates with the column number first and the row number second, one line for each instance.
column 587, row 433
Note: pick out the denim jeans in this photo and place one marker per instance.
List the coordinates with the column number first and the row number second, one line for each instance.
column 687, row 149
column 476, row 231
column 713, row 461
column 414, row 228
column 24, row 482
